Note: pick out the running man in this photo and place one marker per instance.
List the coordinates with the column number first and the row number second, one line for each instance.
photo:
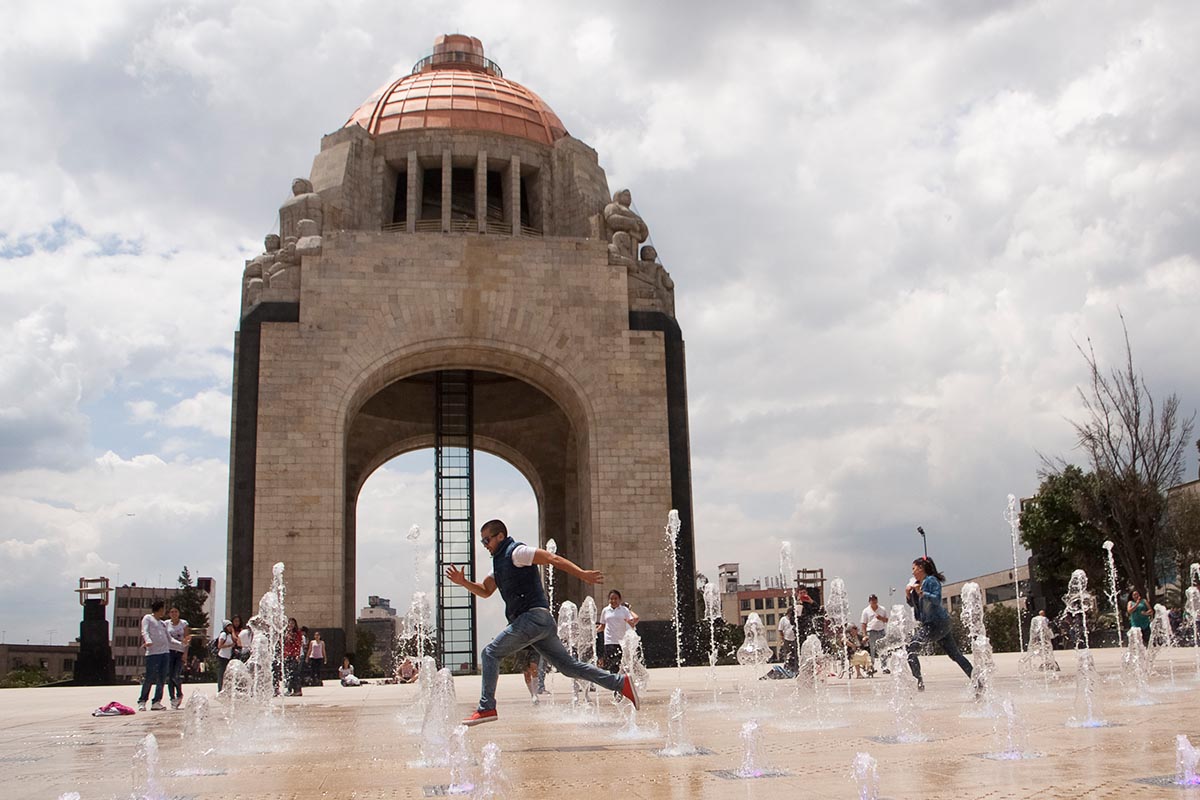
column 530, row 624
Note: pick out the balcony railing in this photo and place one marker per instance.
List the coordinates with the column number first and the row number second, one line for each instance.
column 463, row 226
column 458, row 57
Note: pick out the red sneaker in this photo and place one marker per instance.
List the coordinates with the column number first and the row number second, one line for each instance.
column 629, row 692
column 480, row 717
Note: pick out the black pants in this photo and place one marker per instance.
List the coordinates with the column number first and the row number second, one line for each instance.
column 612, row 658
column 175, row 675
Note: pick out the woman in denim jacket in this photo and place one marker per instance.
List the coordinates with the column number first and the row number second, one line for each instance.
column 924, row 594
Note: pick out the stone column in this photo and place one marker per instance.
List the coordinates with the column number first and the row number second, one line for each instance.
column 514, row 193
column 415, row 183
column 447, row 180
column 481, row 191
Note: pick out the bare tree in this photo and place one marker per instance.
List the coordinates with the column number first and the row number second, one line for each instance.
column 1136, row 448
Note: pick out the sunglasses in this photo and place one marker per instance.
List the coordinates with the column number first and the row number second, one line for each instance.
column 487, row 539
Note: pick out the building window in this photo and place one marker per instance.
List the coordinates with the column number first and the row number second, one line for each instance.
column 745, row 605
column 770, row 619
column 770, row 636
column 68, row 665
column 758, row 604
column 770, row 602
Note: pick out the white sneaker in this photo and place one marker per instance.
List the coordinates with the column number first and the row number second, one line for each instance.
column 141, row 706
column 158, row 707
column 177, row 702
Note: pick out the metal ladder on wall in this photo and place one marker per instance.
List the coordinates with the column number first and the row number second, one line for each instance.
column 454, row 462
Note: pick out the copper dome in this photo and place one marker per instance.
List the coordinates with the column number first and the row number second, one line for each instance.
column 456, row 87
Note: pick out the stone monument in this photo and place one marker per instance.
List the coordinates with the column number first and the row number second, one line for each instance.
column 455, row 274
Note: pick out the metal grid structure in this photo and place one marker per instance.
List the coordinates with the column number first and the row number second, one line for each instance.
column 454, row 481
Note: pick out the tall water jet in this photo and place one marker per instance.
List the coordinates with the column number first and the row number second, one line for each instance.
column 837, row 609
column 1013, row 516
column 983, row 663
column 414, row 540
column 145, row 770
column 1135, row 670
column 1191, row 613
column 568, row 633
column 1039, row 660
column 865, row 771
column 1079, row 603
column 751, row 760
column 671, row 531
column 1111, row 566
column 585, row 643
column 439, row 721
column 1162, row 640
column 461, row 762
column 1187, row 761
column 633, row 660
column 551, row 548
column 493, row 783
column 712, row 612
column 418, row 622
column 753, row 655
column 678, row 743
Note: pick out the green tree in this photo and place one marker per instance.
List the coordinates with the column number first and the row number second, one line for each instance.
column 190, row 602
column 1183, row 533
column 1001, row 623
column 25, row 677
column 1057, row 535
column 364, row 649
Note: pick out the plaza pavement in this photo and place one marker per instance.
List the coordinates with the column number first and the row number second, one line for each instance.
column 364, row 743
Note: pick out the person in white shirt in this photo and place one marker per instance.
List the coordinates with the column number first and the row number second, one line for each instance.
column 615, row 620
column 787, row 632
column 156, row 642
column 227, row 642
column 178, row 630
column 874, row 625
column 346, row 673
column 316, row 656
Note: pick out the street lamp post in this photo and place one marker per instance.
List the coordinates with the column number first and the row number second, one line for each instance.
column 924, row 544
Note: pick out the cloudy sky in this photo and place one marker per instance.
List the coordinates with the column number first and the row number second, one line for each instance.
column 889, row 226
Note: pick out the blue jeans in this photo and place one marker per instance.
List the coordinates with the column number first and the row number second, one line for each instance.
column 175, row 674
column 537, row 629
column 938, row 632
column 156, row 673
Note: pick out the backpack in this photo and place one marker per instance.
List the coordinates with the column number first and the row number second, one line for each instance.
column 214, row 647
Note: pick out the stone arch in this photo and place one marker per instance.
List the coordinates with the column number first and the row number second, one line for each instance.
column 557, row 468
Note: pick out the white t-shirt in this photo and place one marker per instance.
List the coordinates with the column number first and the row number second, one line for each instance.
column 246, row 637
column 522, row 556
column 176, row 631
column 225, row 645
column 873, row 624
column 615, row 622
column 786, row 630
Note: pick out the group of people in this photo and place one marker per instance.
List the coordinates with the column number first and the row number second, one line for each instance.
column 300, row 656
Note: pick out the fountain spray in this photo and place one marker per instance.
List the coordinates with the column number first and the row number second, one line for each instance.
column 838, row 610
column 551, row 548
column 865, row 772
column 672, row 533
column 1013, row 516
column 1191, row 612
column 712, row 612
column 1078, row 600
column 1112, row 588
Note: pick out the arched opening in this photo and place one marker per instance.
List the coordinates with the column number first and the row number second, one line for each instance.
column 391, row 567
column 507, row 416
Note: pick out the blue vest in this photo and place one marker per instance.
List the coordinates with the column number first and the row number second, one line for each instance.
column 521, row 587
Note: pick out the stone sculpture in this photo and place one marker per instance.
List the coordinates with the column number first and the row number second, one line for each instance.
column 309, row 243
column 627, row 230
column 303, row 204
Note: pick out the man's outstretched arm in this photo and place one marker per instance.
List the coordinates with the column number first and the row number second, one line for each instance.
column 457, row 576
column 568, row 566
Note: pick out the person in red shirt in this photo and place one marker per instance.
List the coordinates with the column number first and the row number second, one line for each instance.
column 293, row 645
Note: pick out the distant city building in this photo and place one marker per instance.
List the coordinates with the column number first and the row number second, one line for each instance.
column 767, row 597
column 997, row 588
column 380, row 619
column 56, row 660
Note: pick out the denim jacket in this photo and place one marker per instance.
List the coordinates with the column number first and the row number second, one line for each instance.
column 929, row 609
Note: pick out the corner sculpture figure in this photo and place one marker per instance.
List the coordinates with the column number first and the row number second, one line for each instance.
column 627, row 229
column 303, row 204
column 530, row 623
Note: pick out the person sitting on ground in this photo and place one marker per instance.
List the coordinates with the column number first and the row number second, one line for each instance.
column 408, row 671
column 346, row 673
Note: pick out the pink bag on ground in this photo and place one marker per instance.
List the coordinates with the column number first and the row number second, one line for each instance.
column 113, row 709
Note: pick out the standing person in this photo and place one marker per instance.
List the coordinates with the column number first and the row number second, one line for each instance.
column 316, row 656
column 924, row 594
column 874, row 625
column 227, row 645
column 1139, row 612
column 530, row 624
column 293, row 646
column 616, row 618
column 178, row 630
column 787, row 632
column 157, row 644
